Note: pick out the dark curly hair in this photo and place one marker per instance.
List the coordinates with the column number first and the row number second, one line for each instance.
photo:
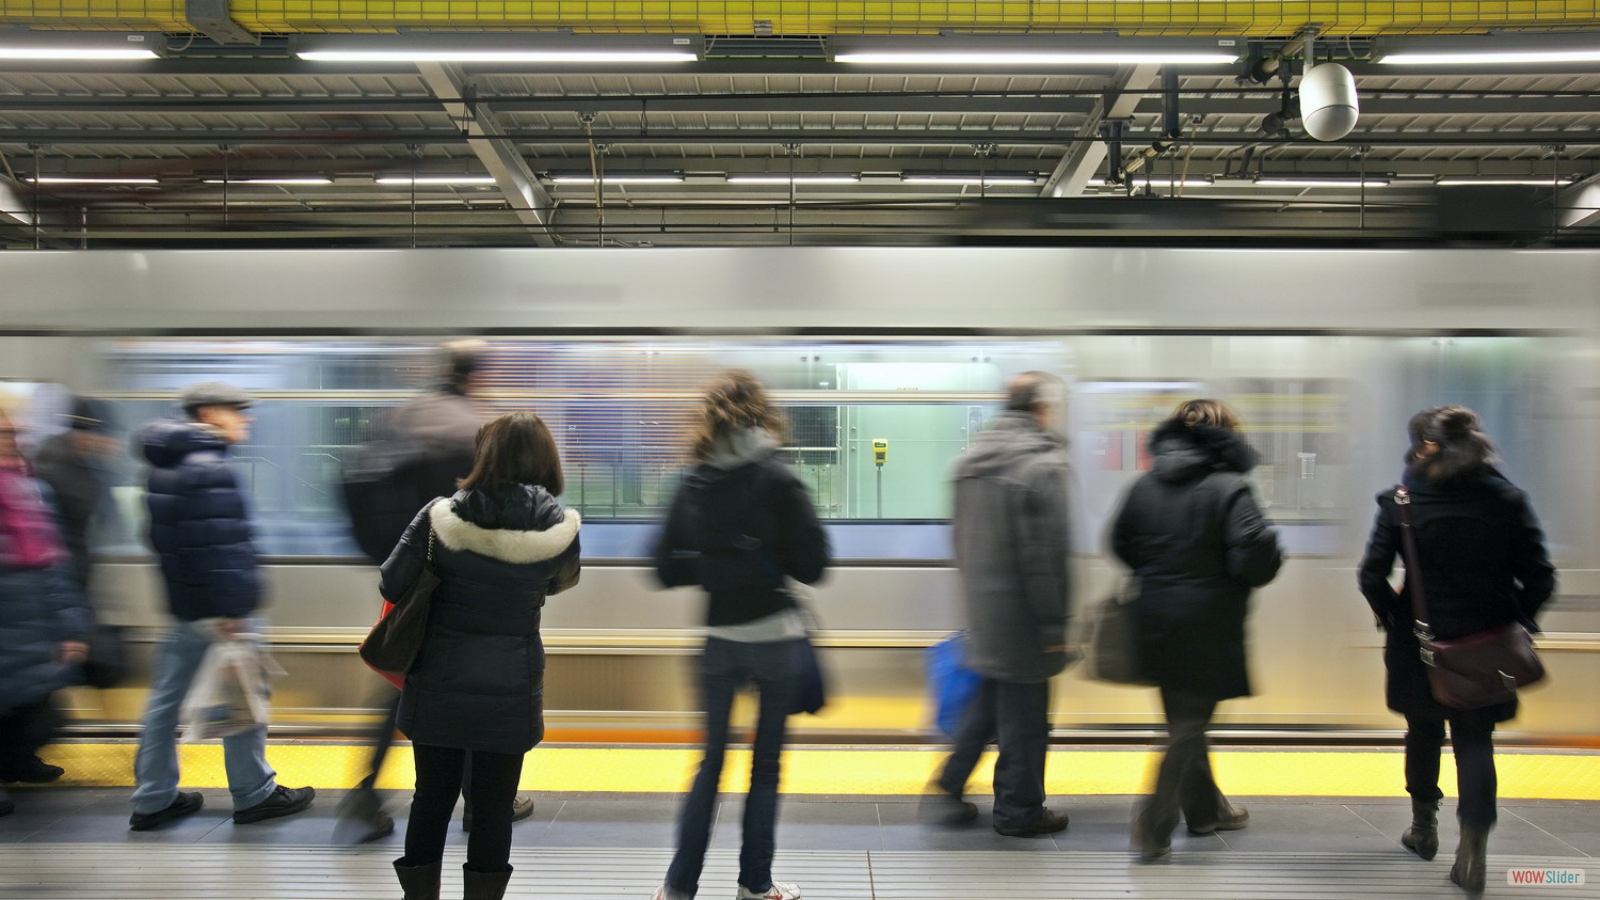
column 734, row 400
column 1458, row 433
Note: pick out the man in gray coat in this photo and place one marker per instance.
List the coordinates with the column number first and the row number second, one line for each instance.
column 1009, row 528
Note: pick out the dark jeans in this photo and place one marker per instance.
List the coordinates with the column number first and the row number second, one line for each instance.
column 23, row 730
column 1472, row 739
column 1184, row 782
column 1017, row 717
column 726, row 667
column 494, row 784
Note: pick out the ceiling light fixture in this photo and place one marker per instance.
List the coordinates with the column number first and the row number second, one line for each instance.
column 798, row 179
column 1322, row 182
column 1502, row 182
column 953, row 180
column 500, row 48
column 617, row 179
column 1487, row 50
column 288, row 179
column 49, row 46
column 1034, row 50
column 436, row 180
column 71, row 179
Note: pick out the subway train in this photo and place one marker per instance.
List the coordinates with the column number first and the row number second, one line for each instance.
column 1325, row 352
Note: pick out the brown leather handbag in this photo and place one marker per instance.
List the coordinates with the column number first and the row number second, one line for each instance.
column 1474, row 671
column 392, row 646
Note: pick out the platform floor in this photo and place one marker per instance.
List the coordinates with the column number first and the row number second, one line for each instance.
column 69, row 843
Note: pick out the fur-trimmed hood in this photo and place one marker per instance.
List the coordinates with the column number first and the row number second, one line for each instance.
column 518, row 524
column 1184, row 452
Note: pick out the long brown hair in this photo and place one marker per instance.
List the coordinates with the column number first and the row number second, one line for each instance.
column 1207, row 412
column 515, row 449
column 734, row 400
column 1458, row 432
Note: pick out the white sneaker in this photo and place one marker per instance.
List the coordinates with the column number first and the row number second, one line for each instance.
column 666, row 893
column 779, row 891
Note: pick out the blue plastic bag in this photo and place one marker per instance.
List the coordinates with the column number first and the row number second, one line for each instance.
column 953, row 684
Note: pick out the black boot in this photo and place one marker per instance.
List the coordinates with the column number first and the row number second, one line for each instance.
column 1472, row 859
column 485, row 885
column 1422, row 838
column 419, row 882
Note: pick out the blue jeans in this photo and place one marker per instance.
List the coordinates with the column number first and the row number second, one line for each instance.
column 727, row 666
column 155, row 769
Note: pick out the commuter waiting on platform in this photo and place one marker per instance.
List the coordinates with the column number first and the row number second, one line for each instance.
column 739, row 527
column 44, row 624
column 1009, row 527
column 1483, row 564
column 199, row 524
column 1196, row 541
column 499, row 547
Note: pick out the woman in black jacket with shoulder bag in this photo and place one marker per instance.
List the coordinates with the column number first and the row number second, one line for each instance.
column 1484, row 565
column 499, row 547
column 740, row 525
column 1197, row 543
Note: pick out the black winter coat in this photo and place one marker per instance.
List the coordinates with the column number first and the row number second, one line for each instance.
column 81, row 493
column 738, row 532
column 199, row 522
column 1194, row 537
column 478, row 683
column 1484, row 564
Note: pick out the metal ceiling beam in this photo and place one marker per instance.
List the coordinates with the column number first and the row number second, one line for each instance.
column 498, row 155
column 1071, row 175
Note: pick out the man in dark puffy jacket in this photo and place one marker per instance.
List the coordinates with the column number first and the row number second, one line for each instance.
column 1009, row 527
column 200, row 527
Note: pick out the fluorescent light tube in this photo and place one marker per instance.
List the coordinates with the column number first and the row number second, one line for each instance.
column 995, row 181
column 1034, row 58
column 68, row 179
column 1168, row 182
column 1321, row 182
column 1489, row 57
column 284, row 180
column 618, row 179
column 1502, row 182
column 75, row 53
column 798, row 179
column 499, row 56
column 436, row 180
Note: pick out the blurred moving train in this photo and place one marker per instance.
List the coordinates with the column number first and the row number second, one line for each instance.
column 1326, row 353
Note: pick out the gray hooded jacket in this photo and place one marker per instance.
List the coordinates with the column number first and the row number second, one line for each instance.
column 1011, row 542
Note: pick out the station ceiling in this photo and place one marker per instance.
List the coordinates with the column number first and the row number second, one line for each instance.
column 229, row 138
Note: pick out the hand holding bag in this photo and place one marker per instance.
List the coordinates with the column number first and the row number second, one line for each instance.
column 1479, row 669
column 392, row 646
column 230, row 691
column 1115, row 648
column 953, row 684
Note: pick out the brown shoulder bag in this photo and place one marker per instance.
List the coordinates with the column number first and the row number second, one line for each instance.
column 392, row 646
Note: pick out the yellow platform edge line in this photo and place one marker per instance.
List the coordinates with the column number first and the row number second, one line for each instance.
column 864, row 772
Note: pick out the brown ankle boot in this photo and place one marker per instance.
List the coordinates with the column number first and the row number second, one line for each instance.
column 1472, row 859
column 485, row 885
column 419, row 882
column 1422, row 838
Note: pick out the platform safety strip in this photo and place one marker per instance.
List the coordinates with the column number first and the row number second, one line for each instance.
column 864, row 772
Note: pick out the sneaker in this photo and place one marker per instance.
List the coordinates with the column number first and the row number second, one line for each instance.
column 1046, row 822
column 780, row 890
column 33, row 771
column 666, row 893
column 185, row 804
column 281, row 802
column 1233, row 821
column 946, row 809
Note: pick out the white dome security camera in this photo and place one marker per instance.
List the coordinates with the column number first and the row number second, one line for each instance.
column 1328, row 105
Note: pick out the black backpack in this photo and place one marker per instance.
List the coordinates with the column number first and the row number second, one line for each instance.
column 379, row 485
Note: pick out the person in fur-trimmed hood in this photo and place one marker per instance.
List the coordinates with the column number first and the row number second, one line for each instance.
column 1196, row 540
column 499, row 547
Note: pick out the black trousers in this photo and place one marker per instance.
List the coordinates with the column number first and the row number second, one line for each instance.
column 1017, row 717
column 23, row 730
column 494, row 786
column 1184, row 782
column 1472, row 739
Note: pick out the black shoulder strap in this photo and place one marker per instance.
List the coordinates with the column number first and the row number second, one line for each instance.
column 1419, row 600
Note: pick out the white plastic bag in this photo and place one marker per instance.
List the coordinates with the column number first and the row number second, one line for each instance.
column 229, row 695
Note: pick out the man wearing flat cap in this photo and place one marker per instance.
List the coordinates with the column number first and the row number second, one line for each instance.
column 199, row 525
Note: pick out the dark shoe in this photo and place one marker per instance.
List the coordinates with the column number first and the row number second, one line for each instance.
column 1046, row 822
column 361, row 818
column 521, row 808
column 1148, row 848
column 484, row 885
column 946, row 809
column 185, row 804
column 1422, row 838
column 1472, row 859
column 34, row 771
column 281, row 802
column 6, row 806
column 418, row 882
column 1236, row 819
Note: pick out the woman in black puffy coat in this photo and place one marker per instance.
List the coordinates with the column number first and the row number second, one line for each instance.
column 1484, row 565
column 1197, row 543
column 500, row 546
